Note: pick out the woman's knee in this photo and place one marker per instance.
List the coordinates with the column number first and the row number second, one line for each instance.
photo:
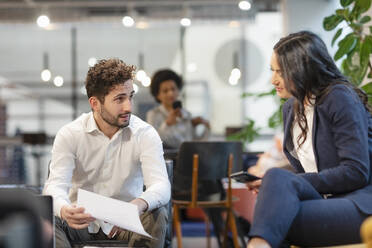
column 275, row 173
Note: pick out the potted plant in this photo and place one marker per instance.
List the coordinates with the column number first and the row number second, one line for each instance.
column 355, row 46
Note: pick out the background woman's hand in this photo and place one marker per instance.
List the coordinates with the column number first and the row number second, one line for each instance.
column 199, row 120
column 172, row 116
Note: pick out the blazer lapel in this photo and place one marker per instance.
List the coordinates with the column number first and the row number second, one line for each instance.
column 287, row 141
column 288, row 145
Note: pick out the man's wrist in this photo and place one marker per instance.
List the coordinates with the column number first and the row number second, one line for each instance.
column 142, row 205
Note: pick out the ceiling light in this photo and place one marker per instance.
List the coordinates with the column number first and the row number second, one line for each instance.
column 185, row 22
column 92, row 61
column 235, row 73
column 146, row 82
column 58, row 81
column 128, row 21
column 233, row 80
column 245, row 5
column 46, row 75
column 43, row 21
column 141, row 75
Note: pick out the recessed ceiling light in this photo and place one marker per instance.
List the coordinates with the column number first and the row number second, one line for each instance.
column 245, row 5
column 185, row 22
column 58, row 81
column 43, row 21
column 128, row 21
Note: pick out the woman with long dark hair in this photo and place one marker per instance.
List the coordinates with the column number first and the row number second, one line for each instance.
column 328, row 140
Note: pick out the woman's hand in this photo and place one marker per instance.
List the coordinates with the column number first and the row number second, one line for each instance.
column 254, row 186
column 172, row 116
column 199, row 120
column 75, row 217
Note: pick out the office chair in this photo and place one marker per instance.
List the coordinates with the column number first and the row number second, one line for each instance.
column 197, row 164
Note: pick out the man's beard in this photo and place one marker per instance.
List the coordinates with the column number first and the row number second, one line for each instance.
column 110, row 119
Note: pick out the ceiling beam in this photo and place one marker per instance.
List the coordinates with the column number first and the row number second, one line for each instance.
column 113, row 3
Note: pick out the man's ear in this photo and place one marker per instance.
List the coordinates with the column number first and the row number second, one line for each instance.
column 94, row 103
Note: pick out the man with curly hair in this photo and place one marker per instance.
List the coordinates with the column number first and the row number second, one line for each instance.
column 113, row 153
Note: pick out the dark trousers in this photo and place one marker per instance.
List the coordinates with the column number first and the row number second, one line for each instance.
column 154, row 222
column 290, row 211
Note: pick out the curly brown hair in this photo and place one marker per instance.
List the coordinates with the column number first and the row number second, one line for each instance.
column 105, row 75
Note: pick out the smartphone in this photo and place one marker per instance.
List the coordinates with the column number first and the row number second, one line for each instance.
column 177, row 104
column 243, row 177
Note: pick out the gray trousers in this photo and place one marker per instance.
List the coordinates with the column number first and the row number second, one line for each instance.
column 155, row 223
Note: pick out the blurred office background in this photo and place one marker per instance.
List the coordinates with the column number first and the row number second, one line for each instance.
column 203, row 40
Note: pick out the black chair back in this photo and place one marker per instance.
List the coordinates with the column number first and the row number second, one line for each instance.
column 213, row 162
column 213, row 157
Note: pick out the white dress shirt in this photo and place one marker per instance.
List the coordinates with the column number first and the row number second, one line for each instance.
column 305, row 153
column 83, row 157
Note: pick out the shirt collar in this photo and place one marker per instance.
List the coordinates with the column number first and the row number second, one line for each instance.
column 91, row 124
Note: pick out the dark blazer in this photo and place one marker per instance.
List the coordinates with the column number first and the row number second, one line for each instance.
column 342, row 143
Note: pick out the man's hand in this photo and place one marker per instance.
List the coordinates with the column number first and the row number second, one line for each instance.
column 114, row 231
column 141, row 205
column 75, row 217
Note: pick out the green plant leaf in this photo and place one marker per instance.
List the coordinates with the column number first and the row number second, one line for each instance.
column 370, row 29
column 341, row 12
column 364, row 53
column 345, row 46
column 355, row 13
column 363, row 5
column 367, row 88
column 365, row 49
column 266, row 93
column 362, row 73
column 365, row 19
column 338, row 33
column 248, row 133
column 330, row 22
column 345, row 3
column 368, row 39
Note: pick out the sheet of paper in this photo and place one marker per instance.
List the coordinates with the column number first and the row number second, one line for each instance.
column 119, row 213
